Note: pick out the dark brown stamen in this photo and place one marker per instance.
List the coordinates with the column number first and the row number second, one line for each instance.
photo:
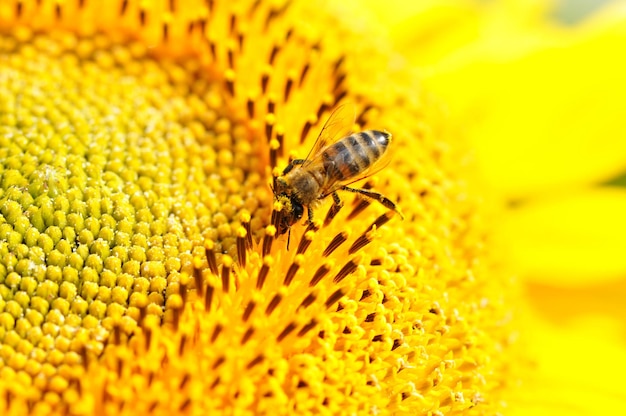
column 233, row 23
column 240, row 38
column 225, row 277
column 198, row 281
column 332, row 212
column 248, row 311
column 176, row 312
column 273, row 54
column 340, row 96
column 257, row 360
column 273, row 304
column 120, row 367
column 288, row 33
column 165, row 32
column 269, row 127
column 208, row 298
column 305, row 71
column 213, row 49
column 183, row 407
column 124, row 7
column 274, row 147
column 250, row 107
column 216, row 332
column 288, row 330
column 360, row 120
column 312, row 324
column 361, row 205
column 380, row 221
column 338, row 81
column 280, row 138
column 181, row 345
column 349, row 267
column 151, row 375
column 218, row 362
column 183, row 288
column 306, row 302
column 268, row 239
column 84, row 358
column 148, row 335
column 241, row 248
column 246, row 225
column 143, row 311
column 359, row 243
column 247, row 335
column 262, row 276
column 319, row 274
column 332, row 299
column 210, row 257
column 291, row 273
column 275, row 219
column 231, row 58
column 323, row 107
column 254, row 7
column 265, row 79
column 305, row 131
column 215, row 383
column 230, row 83
column 335, row 243
column 304, row 242
column 288, row 87
column 338, row 63
column 117, row 334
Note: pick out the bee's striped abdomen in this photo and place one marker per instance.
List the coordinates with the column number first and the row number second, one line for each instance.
column 354, row 154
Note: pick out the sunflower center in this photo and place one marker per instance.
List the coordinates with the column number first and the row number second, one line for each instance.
column 113, row 167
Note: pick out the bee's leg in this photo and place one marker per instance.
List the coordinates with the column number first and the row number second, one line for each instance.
column 334, row 209
column 338, row 202
column 374, row 195
column 310, row 212
column 291, row 165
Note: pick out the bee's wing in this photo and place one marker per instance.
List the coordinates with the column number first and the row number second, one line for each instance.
column 339, row 125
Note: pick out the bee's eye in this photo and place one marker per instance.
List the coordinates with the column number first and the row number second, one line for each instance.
column 298, row 210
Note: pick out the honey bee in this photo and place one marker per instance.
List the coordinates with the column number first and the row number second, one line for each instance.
column 338, row 159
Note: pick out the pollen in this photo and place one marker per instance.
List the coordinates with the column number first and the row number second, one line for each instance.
column 142, row 268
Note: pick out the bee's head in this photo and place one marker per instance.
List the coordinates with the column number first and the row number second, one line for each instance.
column 292, row 212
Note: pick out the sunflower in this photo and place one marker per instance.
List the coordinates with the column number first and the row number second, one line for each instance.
column 141, row 266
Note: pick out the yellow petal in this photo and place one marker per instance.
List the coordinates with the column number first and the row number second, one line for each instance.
column 566, row 305
column 542, row 107
column 578, row 371
column 571, row 239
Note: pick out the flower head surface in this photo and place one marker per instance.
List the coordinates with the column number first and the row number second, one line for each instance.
column 140, row 269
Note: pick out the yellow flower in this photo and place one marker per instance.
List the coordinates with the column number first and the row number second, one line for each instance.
column 140, row 271
column 541, row 104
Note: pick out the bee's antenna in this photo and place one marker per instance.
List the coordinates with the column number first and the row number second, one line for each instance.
column 288, row 237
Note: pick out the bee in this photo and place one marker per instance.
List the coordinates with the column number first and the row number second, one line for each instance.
column 338, row 159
